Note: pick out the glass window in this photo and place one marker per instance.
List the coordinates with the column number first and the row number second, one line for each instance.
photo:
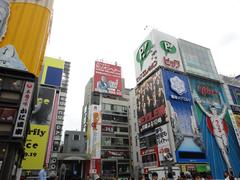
column 7, row 114
column 76, row 137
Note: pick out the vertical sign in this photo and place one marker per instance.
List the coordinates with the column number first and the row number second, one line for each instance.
column 23, row 110
column 162, row 140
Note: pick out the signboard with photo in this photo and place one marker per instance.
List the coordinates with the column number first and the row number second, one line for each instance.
column 107, row 78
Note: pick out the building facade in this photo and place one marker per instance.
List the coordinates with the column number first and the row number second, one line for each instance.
column 182, row 109
column 105, row 118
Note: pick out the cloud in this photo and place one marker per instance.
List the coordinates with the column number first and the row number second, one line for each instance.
column 229, row 38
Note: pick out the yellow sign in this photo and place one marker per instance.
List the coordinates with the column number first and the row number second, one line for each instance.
column 27, row 28
column 237, row 119
column 35, row 147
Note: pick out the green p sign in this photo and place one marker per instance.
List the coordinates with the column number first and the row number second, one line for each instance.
column 168, row 47
column 143, row 52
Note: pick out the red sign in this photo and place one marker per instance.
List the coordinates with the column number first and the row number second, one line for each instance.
column 204, row 91
column 171, row 63
column 107, row 78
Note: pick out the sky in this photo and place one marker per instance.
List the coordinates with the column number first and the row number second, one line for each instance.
column 111, row 30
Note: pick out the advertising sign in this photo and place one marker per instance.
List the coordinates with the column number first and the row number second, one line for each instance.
column 162, row 140
column 42, row 113
column 184, row 125
column 235, row 119
column 215, row 126
column 23, row 45
column 151, row 106
column 235, row 93
column 35, row 147
column 23, row 111
column 198, row 60
column 107, row 78
column 95, row 144
column 157, row 49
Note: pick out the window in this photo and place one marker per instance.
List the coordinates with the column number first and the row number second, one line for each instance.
column 136, row 138
column 137, row 156
column 76, row 137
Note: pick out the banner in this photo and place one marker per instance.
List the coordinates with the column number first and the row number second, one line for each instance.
column 107, row 78
column 95, row 142
column 185, row 128
column 215, row 125
column 162, row 140
column 42, row 113
column 35, row 147
column 151, row 106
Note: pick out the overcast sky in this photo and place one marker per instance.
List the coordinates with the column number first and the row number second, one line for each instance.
column 87, row 30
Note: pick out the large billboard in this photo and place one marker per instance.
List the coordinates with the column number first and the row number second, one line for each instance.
column 198, row 60
column 158, row 49
column 35, row 147
column 151, row 105
column 52, row 72
column 107, row 78
column 39, row 132
column 215, row 125
column 188, row 142
column 235, row 117
column 42, row 113
column 22, row 45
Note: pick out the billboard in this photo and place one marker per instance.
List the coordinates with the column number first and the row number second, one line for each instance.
column 22, row 46
column 162, row 140
column 42, row 113
column 188, row 141
column 151, row 106
column 35, row 147
column 95, row 141
column 107, row 78
column 158, row 49
column 52, row 72
column 235, row 93
column 198, row 60
column 235, row 117
column 215, row 125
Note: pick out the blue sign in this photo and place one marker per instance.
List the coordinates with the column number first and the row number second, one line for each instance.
column 189, row 146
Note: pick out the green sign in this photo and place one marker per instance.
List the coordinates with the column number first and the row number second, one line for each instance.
column 168, row 47
column 143, row 52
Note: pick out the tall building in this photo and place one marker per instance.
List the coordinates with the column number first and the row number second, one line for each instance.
column 22, row 48
column 184, row 118
column 105, row 118
column 47, row 118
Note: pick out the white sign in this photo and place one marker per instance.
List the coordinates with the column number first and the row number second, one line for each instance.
column 95, row 140
column 158, row 49
column 162, row 140
column 23, row 110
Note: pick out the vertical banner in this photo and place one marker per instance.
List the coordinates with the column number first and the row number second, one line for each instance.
column 96, row 121
column 235, row 117
column 107, row 78
column 35, row 147
column 163, row 144
column 219, row 138
column 235, row 93
column 188, row 141
column 39, row 130
column 23, row 111
column 151, row 106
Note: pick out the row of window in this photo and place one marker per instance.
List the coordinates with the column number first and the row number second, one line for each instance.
column 114, row 141
column 114, row 107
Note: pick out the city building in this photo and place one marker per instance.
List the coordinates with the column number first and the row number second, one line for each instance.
column 73, row 158
column 22, row 48
column 181, row 109
column 47, row 118
column 105, row 119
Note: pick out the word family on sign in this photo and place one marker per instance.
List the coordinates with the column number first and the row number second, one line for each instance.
column 204, row 91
